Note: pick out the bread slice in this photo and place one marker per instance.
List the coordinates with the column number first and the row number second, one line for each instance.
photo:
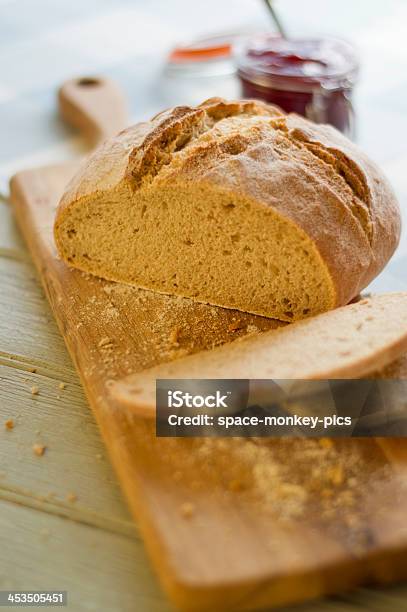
column 233, row 204
column 349, row 342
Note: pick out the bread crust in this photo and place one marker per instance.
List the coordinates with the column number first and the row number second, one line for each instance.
column 309, row 173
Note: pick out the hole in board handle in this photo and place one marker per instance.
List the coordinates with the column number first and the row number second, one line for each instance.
column 88, row 82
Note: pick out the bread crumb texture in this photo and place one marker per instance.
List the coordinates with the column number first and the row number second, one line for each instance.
column 290, row 483
column 232, row 204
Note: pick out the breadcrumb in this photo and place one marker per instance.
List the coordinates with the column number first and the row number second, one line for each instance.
column 71, row 497
column 62, row 386
column 174, row 335
column 9, row 424
column 326, row 443
column 39, row 449
column 234, row 326
column 235, row 485
column 187, row 509
column 34, row 390
column 336, row 475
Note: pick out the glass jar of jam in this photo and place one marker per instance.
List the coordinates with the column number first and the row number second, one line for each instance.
column 311, row 77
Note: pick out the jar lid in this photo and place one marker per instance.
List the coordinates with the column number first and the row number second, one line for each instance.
column 309, row 63
column 207, row 56
column 211, row 55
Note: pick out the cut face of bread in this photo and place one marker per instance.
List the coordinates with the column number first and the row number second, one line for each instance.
column 232, row 204
column 348, row 342
column 203, row 242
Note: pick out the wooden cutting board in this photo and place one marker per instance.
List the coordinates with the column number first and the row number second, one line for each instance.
column 229, row 523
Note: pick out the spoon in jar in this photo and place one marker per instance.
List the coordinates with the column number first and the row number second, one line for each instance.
column 275, row 17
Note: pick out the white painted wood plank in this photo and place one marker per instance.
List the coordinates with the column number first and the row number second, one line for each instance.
column 101, row 571
column 27, row 327
column 74, row 461
column 11, row 242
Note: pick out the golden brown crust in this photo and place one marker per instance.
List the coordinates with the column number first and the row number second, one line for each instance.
column 125, row 154
column 309, row 173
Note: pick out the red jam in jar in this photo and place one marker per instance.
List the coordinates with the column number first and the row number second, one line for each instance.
column 311, row 77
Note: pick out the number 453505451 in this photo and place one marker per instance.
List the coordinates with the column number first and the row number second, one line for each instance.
column 33, row 598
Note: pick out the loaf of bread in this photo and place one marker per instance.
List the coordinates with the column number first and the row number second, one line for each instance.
column 348, row 342
column 234, row 204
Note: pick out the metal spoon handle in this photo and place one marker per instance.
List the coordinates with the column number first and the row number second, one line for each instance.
column 275, row 17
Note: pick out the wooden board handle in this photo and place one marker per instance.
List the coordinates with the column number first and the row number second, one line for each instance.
column 94, row 105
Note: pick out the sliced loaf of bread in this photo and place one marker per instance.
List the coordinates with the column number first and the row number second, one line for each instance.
column 233, row 204
column 349, row 342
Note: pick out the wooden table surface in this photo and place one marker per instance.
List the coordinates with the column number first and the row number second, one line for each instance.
column 63, row 522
